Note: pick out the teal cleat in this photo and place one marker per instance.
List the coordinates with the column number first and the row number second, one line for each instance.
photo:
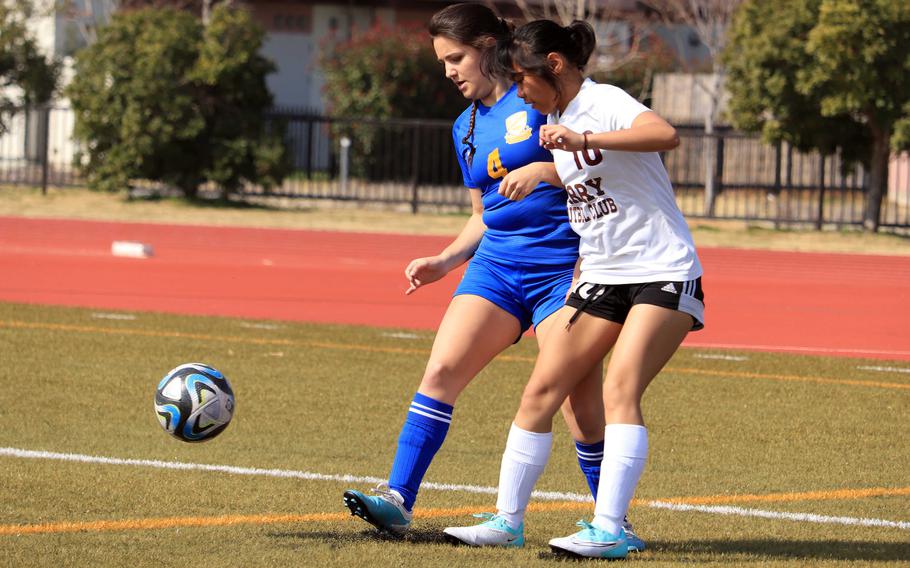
column 494, row 531
column 386, row 511
column 591, row 542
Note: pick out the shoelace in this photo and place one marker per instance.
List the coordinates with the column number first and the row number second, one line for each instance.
column 485, row 516
column 383, row 491
column 585, row 525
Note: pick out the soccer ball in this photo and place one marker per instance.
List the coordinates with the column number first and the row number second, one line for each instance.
column 194, row 402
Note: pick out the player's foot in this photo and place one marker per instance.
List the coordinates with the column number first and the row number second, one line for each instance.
column 591, row 542
column 386, row 511
column 495, row 531
column 635, row 543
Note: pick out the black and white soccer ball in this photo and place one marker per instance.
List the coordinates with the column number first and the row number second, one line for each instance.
column 194, row 402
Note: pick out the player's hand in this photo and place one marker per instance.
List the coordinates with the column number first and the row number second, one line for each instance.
column 558, row 137
column 421, row 271
column 518, row 184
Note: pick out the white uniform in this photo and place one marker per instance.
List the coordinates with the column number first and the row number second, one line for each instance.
column 621, row 203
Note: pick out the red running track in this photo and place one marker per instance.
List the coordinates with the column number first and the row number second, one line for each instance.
column 832, row 304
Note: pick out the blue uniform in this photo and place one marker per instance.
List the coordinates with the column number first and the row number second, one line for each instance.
column 524, row 262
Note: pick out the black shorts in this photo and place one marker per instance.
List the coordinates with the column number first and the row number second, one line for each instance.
column 613, row 301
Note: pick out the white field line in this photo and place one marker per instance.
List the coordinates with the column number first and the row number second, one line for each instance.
column 885, row 369
column 721, row 357
column 795, row 348
column 542, row 495
column 250, row 325
column 113, row 316
column 401, row 335
column 805, row 517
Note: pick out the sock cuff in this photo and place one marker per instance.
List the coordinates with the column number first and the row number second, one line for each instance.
column 427, row 407
column 626, row 440
column 532, row 448
column 590, row 452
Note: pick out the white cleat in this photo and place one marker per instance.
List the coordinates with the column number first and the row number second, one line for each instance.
column 495, row 531
column 591, row 542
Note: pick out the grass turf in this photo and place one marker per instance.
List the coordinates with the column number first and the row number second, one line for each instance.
column 330, row 400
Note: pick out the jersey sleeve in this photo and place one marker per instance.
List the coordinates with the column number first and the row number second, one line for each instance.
column 618, row 108
column 460, row 156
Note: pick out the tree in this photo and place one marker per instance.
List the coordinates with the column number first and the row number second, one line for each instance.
column 22, row 64
column 826, row 75
column 636, row 74
column 385, row 72
column 710, row 19
column 388, row 72
column 159, row 97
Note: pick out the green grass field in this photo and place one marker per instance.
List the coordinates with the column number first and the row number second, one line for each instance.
column 778, row 434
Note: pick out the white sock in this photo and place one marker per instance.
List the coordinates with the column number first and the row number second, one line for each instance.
column 625, row 454
column 523, row 461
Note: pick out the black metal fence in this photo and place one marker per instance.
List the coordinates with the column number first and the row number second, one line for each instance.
column 412, row 163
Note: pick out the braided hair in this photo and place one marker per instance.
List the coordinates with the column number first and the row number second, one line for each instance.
column 469, row 24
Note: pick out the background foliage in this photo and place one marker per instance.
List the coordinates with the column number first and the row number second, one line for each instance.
column 828, row 75
column 386, row 72
column 162, row 98
column 389, row 72
column 636, row 76
column 22, row 65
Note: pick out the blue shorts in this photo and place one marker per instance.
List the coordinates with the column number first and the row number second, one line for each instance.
column 530, row 292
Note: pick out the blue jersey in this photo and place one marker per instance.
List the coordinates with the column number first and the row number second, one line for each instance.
column 536, row 229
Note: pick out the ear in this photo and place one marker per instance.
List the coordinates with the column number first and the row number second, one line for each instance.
column 556, row 62
column 488, row 42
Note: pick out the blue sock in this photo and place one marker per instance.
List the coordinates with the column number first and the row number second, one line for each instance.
column 589, row 458
column 421, row 437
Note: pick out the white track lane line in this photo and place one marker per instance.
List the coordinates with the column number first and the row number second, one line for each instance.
column 542, row 495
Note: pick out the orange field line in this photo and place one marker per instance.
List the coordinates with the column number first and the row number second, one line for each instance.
column 399, row 350
column 230, row 520
column 204, row 337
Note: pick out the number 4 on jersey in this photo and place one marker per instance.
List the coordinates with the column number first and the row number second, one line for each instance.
column 495, row 169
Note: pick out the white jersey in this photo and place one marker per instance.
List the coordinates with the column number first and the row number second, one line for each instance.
column 621, row 203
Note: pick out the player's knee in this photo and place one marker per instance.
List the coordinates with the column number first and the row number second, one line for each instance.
column 540, row 399
column 442, row 380
column 620, row 397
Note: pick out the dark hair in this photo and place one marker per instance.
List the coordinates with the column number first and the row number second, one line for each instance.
column 529, row 46
column 470, row 24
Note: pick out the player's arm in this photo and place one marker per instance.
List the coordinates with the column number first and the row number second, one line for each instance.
column 649, row 133
column 519, row 183
column 421, row 271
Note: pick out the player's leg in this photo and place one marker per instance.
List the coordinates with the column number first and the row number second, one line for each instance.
column 583, row 414
column 650, row 336
column 565, row 367
column 473, row 331
column 583, row 410
column 566, row 358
